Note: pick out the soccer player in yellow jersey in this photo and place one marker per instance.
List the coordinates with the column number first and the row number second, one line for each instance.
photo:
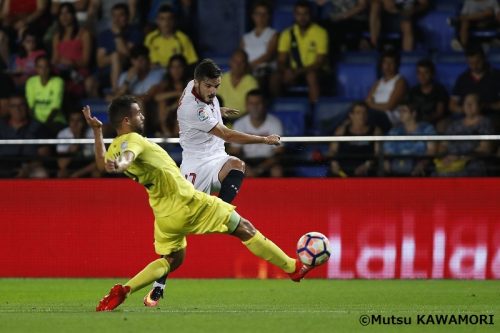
column 179, row 209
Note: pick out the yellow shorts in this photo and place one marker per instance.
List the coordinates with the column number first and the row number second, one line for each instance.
column 205, row 214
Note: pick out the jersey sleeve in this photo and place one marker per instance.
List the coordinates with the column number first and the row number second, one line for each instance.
column 134, row 143
column 201, row 118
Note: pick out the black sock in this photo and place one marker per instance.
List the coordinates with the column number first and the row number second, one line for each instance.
column 163, row 279
column 231, row 185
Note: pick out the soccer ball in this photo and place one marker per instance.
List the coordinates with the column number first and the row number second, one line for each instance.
column 313, row 248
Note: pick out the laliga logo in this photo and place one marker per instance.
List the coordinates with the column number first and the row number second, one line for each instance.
column 408, row 250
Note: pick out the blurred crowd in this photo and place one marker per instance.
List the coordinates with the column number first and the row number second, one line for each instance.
column 55, row 55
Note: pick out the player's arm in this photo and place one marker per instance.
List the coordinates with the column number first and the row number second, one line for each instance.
column 99, row 148
column 121, row 163
column 233, row 136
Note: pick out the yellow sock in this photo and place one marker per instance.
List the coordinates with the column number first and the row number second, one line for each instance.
column 267, row 250
column 149, row 274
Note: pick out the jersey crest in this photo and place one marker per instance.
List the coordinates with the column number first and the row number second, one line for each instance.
column 202, row 114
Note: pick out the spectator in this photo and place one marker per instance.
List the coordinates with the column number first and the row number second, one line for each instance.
column 29, row 50
column 140, row 78
column 260, row 160
column 429, row 97
column 399, row 13
column 166, row 41
column 354, row 158
column 260, row 44
column 76, row 160
column 418, row 152
column 103, row 7
column 86, row 11
column 464, row 158
column 114, row 45
column 22, row 161
column 167, row 94
column 44, row 93
column 475, row 14
column 18, row 15
column 388, row 92
column 71, row 50
column 347, row 20
column 302, row 53
column 7, row 89
column 480, row 79
column 236, row 83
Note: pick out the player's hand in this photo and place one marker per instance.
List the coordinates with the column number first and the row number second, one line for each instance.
column 91, row 121
column 229, row 112
column 272, row 140
column 110, row 166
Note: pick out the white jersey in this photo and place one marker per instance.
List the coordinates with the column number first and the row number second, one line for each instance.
column 197, row 118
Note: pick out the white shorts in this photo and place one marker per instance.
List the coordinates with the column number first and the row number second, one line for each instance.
column 204, row 173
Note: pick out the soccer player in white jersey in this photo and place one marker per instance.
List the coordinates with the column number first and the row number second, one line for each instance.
column 202, row 133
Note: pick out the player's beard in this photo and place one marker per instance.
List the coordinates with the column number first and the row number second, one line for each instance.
column 138, row 128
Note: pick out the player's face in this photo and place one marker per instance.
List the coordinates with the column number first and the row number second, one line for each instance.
column 136, row 120
column 207, row 88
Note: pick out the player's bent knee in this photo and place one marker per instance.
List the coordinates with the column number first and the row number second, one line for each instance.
column 245, row 230
column 237, row 164
column 175, row 259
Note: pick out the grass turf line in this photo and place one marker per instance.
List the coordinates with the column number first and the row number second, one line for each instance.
column 68, row 305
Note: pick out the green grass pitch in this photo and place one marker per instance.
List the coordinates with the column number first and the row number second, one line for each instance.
column 68, row 305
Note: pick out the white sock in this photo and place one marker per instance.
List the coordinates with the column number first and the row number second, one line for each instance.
column 156, row 284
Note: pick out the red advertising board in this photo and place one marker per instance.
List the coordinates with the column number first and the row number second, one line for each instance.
column 378, row 228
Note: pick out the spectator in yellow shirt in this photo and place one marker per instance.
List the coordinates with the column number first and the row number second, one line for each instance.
column 166, row 40
column 302, row 53
column 236, row 83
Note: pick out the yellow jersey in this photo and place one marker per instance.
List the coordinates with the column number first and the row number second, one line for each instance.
column 169, row 192
column 161, row 48
column 314, row 42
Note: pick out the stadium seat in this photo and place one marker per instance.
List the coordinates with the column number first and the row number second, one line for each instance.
column 282, row 17
column 354, row 80
column 292, row 112
column 436, row 31
column 330, row 113
column 447, row 73
column 99, row 108
column 409, row 71
column 311, row 171
column 357, row 57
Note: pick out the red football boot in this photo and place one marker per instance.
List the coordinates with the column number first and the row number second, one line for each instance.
column 300, row 271
column 116, row 296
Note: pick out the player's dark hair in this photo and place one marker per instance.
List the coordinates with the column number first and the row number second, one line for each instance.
column 120, row 108
column 121, row 6
column 427, row 63
column 207, row 69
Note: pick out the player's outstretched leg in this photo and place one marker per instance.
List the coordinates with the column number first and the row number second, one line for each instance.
column 264, row 248
column 119, row 293
column 153, row 297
